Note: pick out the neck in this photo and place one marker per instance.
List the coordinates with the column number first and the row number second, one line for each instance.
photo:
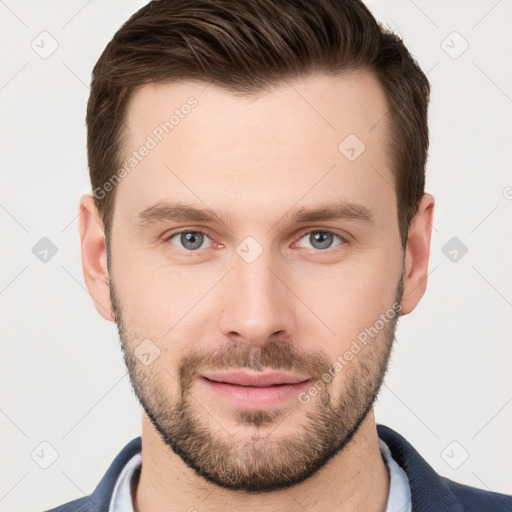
column 355, row 479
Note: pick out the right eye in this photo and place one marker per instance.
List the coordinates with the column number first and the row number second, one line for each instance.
column 188, row 240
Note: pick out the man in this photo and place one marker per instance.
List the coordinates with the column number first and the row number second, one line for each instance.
column 258, row 224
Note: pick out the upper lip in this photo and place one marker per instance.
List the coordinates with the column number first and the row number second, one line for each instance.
column 256, row 380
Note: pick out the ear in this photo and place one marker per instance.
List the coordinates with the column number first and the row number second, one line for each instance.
column 417, row 255
column 94, row 256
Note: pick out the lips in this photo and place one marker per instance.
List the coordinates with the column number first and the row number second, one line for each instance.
column 254, row 390
column 254, row 380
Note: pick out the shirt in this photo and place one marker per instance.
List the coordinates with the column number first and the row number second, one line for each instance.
column 399, row 498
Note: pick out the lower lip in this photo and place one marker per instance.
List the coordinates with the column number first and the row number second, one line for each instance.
column 256, row 397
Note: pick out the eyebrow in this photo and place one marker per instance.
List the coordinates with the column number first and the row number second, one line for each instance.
column 163, row 211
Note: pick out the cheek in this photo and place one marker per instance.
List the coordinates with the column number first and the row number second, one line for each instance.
column 169, row 306
column 346, row 299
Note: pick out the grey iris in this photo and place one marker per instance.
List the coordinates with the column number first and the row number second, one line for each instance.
column 322, row 239
column 194, row 239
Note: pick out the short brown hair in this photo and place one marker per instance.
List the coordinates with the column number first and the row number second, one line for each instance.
column 246, row 47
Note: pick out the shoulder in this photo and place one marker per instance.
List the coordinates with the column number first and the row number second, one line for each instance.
column 99, row 500
column 478, row 500
column 79, row 505
column 431, row 491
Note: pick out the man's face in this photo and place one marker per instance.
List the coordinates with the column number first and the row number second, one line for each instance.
column 261, row 290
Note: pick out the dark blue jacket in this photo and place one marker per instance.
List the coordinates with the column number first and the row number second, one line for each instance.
column 430, row 492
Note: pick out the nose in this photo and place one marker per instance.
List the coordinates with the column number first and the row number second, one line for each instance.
column 257, row 303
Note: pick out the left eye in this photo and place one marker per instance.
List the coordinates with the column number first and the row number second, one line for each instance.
column 320, row 239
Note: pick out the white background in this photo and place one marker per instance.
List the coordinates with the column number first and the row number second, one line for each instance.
column 63, row 380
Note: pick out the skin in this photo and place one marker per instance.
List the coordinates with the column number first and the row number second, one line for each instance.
column 294, row 307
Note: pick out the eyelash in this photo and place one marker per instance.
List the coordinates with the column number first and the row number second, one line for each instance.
column 168, row 236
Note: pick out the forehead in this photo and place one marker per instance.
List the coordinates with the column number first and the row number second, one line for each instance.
column 303, row 140
column 353, row 102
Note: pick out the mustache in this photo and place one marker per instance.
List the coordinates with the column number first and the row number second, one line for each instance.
column 274, row 355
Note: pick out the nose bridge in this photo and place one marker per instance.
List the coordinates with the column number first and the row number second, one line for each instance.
column 256, row 305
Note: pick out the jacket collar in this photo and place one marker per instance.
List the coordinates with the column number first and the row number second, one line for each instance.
column 102, row 495
column 429, row 491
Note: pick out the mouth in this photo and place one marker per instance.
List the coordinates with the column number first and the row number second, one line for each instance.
column 255, row 391
column 254, row 380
